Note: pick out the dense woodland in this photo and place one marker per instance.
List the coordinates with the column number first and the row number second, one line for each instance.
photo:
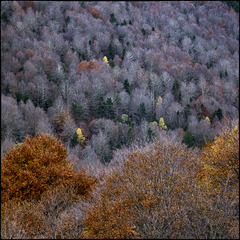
column 120, row 119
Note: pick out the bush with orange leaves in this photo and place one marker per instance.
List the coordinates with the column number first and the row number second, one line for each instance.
column 147, row 198
column 38, row 164
column 220, row 162
column 95, row 12
column 37, row 184
column 218, row 179
column 158, row 194
column 88, row 66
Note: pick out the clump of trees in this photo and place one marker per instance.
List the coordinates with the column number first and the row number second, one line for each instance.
column 168, row 191
column 162, row 190
column 37, row 185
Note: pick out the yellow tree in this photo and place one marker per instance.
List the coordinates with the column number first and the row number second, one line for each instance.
column 105, row 60
column 207, row 119
column 162, row 124
column 220, row 161
column 80, row 135
column 218, row 179
column 159, row 101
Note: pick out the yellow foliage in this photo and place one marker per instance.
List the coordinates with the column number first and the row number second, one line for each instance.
column 207, row 118
column 159, row 101
column 81, row 137
column 162, row 124
column 105, row 60
column 220, row 161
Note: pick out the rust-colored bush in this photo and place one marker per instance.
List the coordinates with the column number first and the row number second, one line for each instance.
column 88, row 66
column 29, row 53
column 157, row 194
column 146, row 198
column 220, row 162
column 35, row 166
column 95, row 12
column 28, row 4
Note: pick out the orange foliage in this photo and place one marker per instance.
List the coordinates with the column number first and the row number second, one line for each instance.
column 232, row 11
column 95, row 12
column 220, row 162
column 210, row 31
column 146, row 198
column 35, row 166
column 38, row 186
column 88, row 66
column 29, row 53
column 136, row 4
column 157, row 194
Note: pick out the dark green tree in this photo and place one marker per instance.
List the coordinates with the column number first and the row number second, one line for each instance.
column 74, row 140
column 127, row 86
column 106, row 109
column 4, row 16
column 112, row 18
column 218, row 113
column 186, row 110
column 176, row 91
column 151, row 133
column 111, row 63
column 77, row 111
column 189, row 139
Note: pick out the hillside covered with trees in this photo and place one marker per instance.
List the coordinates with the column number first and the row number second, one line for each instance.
column 119, row 119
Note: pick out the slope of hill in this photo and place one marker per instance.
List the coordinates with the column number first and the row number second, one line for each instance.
column 105, row 79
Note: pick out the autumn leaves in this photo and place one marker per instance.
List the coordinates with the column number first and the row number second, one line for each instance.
column 167, row 191
column 164, row 190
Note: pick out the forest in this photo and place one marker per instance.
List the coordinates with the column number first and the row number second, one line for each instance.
column 119, row 119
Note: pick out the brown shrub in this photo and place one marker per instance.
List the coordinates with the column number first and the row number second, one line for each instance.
column 58, row 214
column 157, row 194
column 37, row 186
column 35, row 166
column 88, row 66
column 28, row 4
column 95, row 12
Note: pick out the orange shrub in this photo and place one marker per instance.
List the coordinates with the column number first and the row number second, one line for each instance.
column 88, row 66
column 95, row 12
column 146, row 198
column 220, row 162
column 157, row 194
column 35, row 166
